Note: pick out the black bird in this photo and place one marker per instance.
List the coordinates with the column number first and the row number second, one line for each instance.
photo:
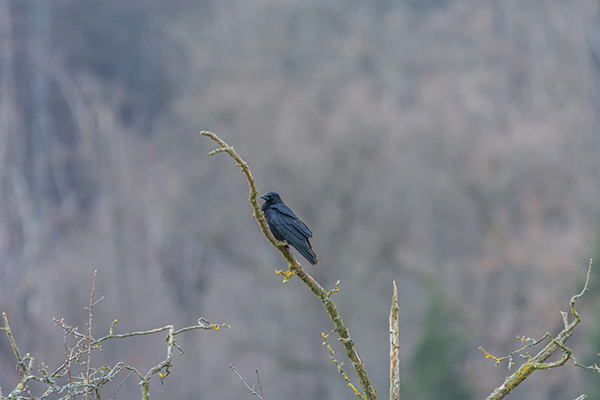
column 286, row 227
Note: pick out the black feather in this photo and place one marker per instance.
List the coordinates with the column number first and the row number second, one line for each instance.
column 286, row 227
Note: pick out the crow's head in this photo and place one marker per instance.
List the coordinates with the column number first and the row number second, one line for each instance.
column 271, row 198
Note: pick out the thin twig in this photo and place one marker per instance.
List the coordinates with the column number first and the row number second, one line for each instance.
column 250, row 389
column 340, row 367
column 530, row 343
column 89, row 338
column 259, row 384
column 120, row 385
column 67, row 361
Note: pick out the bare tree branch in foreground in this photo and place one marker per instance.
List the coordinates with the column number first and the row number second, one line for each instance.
column 296, row 269
column 394, row 347
column 76, row 376
column 538, row 361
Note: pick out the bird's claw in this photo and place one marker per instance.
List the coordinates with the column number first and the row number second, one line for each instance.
column 286, row 275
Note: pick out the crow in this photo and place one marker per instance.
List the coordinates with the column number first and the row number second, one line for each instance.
column 286, row 227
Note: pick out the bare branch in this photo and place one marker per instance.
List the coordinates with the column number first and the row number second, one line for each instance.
column 530, row 343
column 296, row 269
column 214, row 327
column 13, row 345
column 79, row 378
column 89, row 333
column 259, row 384
column 538, row 361
column 250, row 389
column 394, row 347
column 120, row 385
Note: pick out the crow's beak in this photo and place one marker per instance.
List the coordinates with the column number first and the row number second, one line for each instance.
column 264, row 197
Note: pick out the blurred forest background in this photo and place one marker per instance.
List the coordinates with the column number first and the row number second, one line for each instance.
column 453, row 146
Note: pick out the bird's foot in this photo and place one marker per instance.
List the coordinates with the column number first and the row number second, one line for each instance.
column 286, row 274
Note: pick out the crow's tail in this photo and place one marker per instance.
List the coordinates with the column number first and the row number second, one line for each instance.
column 305, row 248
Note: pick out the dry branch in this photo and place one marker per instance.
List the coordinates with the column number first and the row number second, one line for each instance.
column 251, row 389
column 76, row 376
column 394, row 347
column 296, row 269
column 538, row 361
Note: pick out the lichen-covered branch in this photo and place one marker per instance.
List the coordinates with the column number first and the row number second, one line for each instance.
column 394, row 347
column 76, row 377
column 538, row 361
column 340, row 366
column 25, row 368
column 296, row 269
column 13, row 344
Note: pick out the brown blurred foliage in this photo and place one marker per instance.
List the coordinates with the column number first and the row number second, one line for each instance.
column 453, row 141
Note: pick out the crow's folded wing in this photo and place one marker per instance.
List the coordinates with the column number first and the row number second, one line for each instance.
column 287, row 224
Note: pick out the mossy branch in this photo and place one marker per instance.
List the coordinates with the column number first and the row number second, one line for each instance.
column 538, row 361
column 296, row 269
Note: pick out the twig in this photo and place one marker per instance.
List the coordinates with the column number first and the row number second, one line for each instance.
column 120, row 385
column 530, row 343
column 214, row 327
column 394, row 347
column 67, row 359
column 340, row 367
column 89, row 338
column 259, row 384
column 250, row 389
column 296, row 269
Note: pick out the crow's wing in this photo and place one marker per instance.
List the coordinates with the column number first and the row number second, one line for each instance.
column 289, row 228
column 287, row 224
